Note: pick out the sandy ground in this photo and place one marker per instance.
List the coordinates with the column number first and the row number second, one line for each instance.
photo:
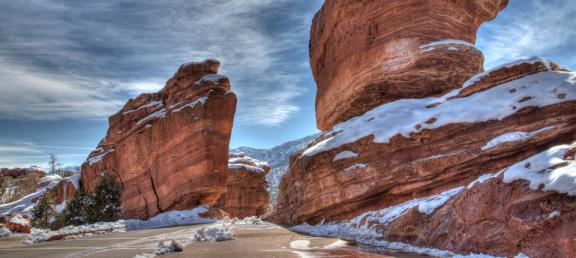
column 266, row 240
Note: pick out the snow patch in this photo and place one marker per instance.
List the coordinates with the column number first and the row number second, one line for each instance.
column 201, row 100
column 431, row 46
column 514, row 136
column 355, row 166
column 19, row 220
column 170, row 218
column 345, row 155
column 429, row 206
column 401, row 117
column 547, row 169
column 553, row 214
column 214, row 234
column 213, row 78
column 532, row 60
column 151, row 104
column 41, row 235
column 4, row 232
column 98, row 157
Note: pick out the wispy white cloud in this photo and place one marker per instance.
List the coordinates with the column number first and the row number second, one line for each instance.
column 528, row 28
column 82, row 60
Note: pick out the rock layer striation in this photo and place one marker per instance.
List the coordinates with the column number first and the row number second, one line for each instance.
column 169, row 149
column 246, row 187
column 366, row 53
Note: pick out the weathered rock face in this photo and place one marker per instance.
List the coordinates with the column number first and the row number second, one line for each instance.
column 169, row 149
column 527, row 208
column 246, row 194
column 366, row 53
column 414, row 148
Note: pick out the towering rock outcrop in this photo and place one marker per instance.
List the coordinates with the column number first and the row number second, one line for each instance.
column 366, row 53
column 246, row 194
column 384, row 157
column 169, row 149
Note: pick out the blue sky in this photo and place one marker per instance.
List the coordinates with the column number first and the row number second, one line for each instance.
column 66, row 65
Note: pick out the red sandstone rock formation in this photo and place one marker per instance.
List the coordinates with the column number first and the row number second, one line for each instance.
column 169, row 149
column 18, row 172
column 19, row 223
column 366, row 53
column 415, row 148
column 246, row 194
column 527, row 208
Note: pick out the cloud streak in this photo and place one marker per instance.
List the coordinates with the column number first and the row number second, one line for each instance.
column 528, row 28
column 83, row 60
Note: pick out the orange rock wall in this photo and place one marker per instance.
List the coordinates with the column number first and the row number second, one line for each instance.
column 169, row 149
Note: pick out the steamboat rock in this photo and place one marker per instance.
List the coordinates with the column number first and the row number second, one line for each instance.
column 169, row 150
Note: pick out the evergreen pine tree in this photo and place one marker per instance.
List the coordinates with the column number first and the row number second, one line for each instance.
column 43, row 212
column 106, row 200
column 75, row 212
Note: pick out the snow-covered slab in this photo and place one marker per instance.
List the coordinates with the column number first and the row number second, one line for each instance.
column 355, row 166
column 151, row 104
column 25, row 204
column 513, row 137
column 548, row 169
column 98, row 156
column 406, row 116
column 246, row 167
column 192, row 104
column 213, row 78
column 533, row 60
column 345, row 155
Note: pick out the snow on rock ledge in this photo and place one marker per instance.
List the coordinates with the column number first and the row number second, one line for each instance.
column 528, row 222
column 546, row 171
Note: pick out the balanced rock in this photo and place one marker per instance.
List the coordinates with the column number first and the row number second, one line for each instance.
column 418, row 147
column 169, row 150
column 246, row 187
column 366, row 53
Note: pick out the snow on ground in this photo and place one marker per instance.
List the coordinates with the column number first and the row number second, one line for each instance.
column 4, row 232
column 41, row 235
column 167, row 219
column 548, row 169
column 214, row 234
column 170, row 218
column 345, row 155
column 514, row 136
column 404, row 115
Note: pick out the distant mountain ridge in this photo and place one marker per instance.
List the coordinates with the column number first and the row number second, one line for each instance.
column 278, row 158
